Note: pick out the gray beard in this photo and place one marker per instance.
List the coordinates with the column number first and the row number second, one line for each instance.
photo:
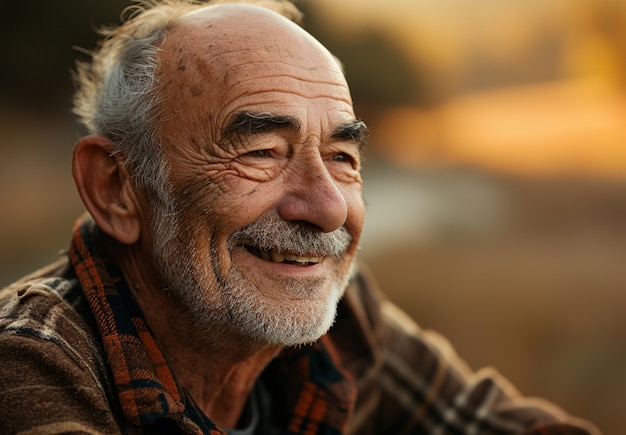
column 236, row 305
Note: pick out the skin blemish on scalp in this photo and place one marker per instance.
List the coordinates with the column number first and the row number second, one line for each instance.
column 202, row 69
column 196, row 91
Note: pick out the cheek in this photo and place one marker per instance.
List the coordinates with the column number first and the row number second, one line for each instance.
column 245, row 200
column 224, row 204
column 206, row 190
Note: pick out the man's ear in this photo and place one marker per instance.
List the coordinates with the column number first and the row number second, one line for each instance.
column 106, row 189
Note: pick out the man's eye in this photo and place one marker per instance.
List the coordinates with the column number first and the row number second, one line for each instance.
column 343, row 157
column 258, row 153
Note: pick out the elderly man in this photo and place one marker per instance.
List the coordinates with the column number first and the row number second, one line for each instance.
column 213, row 288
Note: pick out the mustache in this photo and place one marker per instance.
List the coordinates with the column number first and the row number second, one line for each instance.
column 271, row 232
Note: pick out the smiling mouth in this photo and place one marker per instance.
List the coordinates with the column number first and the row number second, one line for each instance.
column 283, row 257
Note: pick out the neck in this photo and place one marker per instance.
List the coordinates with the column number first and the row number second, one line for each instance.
column 220, row 380
column 218, row 370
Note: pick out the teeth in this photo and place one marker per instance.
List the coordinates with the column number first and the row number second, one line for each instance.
column 279, row 257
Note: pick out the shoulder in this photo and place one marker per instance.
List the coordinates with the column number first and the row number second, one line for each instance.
column 48, row 305
column 52, row 364
column 399, row 345
column 419, row 383
column 389, row 328
column 48, row 308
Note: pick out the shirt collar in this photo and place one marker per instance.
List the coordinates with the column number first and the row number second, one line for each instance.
column 146, row 387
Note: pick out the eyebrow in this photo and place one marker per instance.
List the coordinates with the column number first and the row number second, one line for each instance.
column 355, row 130
column 251, row 123
column 262, row 122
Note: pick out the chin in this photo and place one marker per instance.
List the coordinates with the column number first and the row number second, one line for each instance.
column 288, row 322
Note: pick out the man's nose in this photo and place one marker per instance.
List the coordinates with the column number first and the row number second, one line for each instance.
column 313, row 197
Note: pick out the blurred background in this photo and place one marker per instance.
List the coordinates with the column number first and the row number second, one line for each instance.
column 495, row 177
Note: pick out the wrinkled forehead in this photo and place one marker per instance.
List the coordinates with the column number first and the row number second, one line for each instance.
column 231, row 40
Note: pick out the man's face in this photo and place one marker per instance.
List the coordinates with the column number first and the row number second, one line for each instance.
column 264, row 155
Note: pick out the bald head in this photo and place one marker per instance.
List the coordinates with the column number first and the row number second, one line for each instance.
column 249, row 26
column 228, row 42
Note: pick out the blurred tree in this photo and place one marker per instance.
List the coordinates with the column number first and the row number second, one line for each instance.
column 378, row 71
column 37, row 40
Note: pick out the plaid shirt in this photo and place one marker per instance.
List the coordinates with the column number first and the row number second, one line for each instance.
column 77, row 356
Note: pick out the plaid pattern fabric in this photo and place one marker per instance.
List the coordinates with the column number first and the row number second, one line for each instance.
column 146, row 386
column 374, row 372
